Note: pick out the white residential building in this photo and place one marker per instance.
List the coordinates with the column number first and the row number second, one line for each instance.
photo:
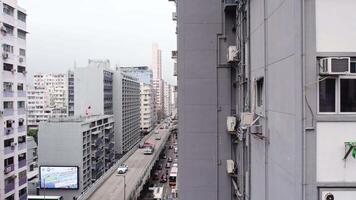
column 48, row 98
column 167, row 99
column 13, row 176
column 96, row 87
column 158, row 85
column 147, row 112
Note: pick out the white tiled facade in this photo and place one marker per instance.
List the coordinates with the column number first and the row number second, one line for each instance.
column 167, row 99
column 147, row 112
column 13, row 168
column 48, row 98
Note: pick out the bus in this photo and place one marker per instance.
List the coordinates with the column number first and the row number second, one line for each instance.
column 173, row 176
column 158, row 193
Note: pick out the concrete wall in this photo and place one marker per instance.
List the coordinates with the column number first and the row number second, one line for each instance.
column 88, row 91
column 335, row 25
column 203, row 103
column 117, row 106
column 51, row 151
column 276, row 162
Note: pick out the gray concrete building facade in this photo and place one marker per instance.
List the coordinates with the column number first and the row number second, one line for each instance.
column 270, row 65
column 89, row 145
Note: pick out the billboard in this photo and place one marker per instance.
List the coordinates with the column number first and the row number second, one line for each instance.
column 59, row 177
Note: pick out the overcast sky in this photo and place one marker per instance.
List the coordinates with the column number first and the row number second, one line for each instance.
column 62, row 32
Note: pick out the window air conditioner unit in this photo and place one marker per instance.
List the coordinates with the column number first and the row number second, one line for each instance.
column 334, row 65
column 13, row 70
column 232, row 54
column 3, row 30
column 230, row 166
column 24, row 72
column 5, row 55
column 231, row 123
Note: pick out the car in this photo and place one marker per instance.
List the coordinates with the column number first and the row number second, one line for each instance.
column 175, row 160
column 168, row 165
column 170, row 146
column 164, row 156
column 169, row 159
column 161, row 127
column 156, row 132
column 159, row 167
column 158, row 138
column 156, row 175
column 163, row 178
column 175, row 165
column 122, row 169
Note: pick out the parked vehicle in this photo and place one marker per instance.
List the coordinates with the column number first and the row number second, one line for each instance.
column 149, row 148
column 158, row 138
column 169, row 159
column 122, row 169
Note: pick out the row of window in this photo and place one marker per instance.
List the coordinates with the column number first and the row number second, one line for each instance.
column 9, row 10
column 10, row 104
column 9, row 30
column 10, row 68
column 10, row 49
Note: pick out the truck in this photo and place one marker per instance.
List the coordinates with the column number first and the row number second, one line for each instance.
column 148, row 149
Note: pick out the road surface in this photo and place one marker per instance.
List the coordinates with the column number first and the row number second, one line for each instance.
column 113, row 187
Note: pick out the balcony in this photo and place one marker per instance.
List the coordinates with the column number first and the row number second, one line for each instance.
column 22, row 180
column 9, row 150
column 8, row 131
column 9, row 168
column 9, row 186
column 8, row 93
column 22, row 163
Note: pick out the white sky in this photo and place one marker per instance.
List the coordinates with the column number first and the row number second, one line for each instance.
column 61, row 32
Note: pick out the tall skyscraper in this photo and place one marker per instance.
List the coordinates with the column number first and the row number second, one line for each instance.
column 156, row 65
column 13, row 168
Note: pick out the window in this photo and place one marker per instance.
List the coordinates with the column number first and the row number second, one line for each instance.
column 327, row 94
column 22, row 52
column 347, row 95
column 20, row 87
column 8, row 105
column 259, row 92
column 8, row 9
column 21, row 16
column 21, row 104
column 7, row 86
column 9, row 29
column 8, row 48
column 7, row 67
column 21, row 69
column 21, row 34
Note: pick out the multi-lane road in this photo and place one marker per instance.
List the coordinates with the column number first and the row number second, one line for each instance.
column 113, row 187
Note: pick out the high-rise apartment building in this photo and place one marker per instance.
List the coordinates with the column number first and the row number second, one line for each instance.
column 156, row 65
column 167, row 99
column 47, row 98
column 13, row 184
column 89, row 145
column 146, row 108
column 286, row 71
column 96, row 87
column 144, row 76
column 70, row 92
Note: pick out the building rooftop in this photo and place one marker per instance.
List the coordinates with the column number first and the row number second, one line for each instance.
column 79, row 118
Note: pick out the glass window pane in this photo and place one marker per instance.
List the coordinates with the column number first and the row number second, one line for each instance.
column 348, row 95
column 327, row 95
